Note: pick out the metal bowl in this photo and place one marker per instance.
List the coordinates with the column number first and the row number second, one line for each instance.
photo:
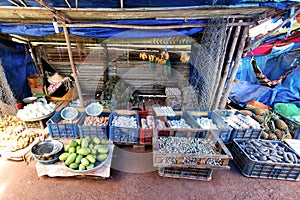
column 48, row 150
column 28, row 100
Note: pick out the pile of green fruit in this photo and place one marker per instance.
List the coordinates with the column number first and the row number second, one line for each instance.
column 84, row 153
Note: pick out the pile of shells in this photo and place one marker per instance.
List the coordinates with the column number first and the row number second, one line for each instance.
column 178, row 123
column 124, row 121
column 183, row 145
column 260, row 150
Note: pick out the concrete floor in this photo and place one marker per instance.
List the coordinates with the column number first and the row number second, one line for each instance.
column 128, row 181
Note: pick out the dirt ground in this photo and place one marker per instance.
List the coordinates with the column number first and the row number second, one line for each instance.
column 127, row 181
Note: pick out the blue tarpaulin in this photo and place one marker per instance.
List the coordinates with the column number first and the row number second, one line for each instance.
column 17, row 65
column 273, row 66
column 47, row 29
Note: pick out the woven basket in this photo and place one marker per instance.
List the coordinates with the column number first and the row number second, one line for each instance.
column 67, row 97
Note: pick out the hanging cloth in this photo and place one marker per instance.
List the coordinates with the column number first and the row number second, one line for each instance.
column 263, row 79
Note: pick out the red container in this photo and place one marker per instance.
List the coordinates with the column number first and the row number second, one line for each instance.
column 145, row 134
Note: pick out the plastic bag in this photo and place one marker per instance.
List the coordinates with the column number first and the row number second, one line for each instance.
column 291, row 111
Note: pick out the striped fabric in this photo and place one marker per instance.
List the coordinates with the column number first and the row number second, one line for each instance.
column 263, row 79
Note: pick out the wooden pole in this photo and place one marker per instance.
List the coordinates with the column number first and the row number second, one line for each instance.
column 227, row 67
column 217, row 85
column 67, row 2
column 235, row 66
column 23, row 3
column 54, row 11
column 72, row 65
column 13, row 2
column 218, row 70
column 150, row 27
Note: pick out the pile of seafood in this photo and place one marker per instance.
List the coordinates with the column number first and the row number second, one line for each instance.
column 184, row 145
column 267, row 151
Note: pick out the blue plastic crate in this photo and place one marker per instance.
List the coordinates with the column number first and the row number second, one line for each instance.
column 94, row 131
column 62, row 130
column 223, row 130
column 264, row 169
column 124, row 134
column 243, row 133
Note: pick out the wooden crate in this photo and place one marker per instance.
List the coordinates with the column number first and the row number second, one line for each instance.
column 219, row 161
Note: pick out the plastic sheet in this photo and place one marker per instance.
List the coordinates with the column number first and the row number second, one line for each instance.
column 18, row 65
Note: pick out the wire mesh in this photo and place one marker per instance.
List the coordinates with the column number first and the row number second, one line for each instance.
column 205, row 59
column 7, row 100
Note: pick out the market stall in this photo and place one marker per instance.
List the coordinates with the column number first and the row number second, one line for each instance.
column 154, row 78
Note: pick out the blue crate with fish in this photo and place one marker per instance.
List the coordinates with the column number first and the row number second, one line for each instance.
column 124, row 126
column 63, row 124
column 94, row 126
column 243, row 125
column 207, row 120
column 266, row 159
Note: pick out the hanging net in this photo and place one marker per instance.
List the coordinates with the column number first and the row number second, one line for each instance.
column 205, row 58
column 7, row 100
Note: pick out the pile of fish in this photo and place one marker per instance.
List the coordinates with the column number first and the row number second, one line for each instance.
column 267, row 151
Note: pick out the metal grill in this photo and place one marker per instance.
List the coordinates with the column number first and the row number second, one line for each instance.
column 205, row 58
column 7, row 100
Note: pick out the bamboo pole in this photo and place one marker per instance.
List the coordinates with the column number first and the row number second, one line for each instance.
column 274, row 30
column 72, row 65
column 216, row 76
column 150, row 27
column 227, row 67
column 67, row 2
column 13, row 2
column 217, row 85
column 235, row 66
column 23, row 3
column 54, row 11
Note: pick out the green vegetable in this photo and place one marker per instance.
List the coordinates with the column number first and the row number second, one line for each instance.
column 103, row 150
column 74, row 166
column 73, row 143
column 91, row 158
column 99, row 146
column 90, row 166
column 84, row 151
column 96, row 140
column 85, row 162
column 67, row 147
column 63, row 156
column 84, row 143
column 81, row 167
column 72, row 150
column 91, row 146
column 102, row 157
column 77, row 148
column 103, row 141
column 79, row 141
column 88, row 138
column 71, row 158
column 93, row 151
column 78, row 158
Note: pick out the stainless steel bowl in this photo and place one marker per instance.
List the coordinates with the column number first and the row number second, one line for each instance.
column 48, row 150
column 28, row 100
